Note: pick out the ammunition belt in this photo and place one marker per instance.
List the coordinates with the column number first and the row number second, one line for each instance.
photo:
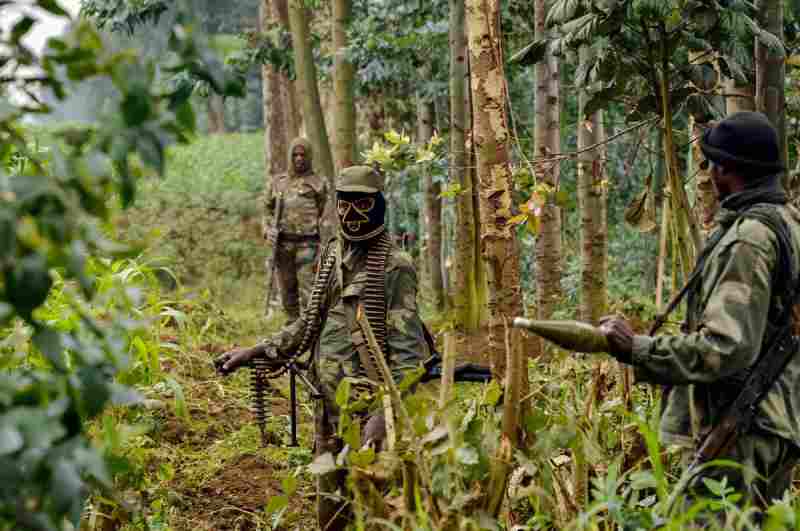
column 312, row 316
column 374, row 299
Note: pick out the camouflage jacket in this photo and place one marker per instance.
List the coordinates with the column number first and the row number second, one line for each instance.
column 303, row 203
column 727, row 325
column 334, row 354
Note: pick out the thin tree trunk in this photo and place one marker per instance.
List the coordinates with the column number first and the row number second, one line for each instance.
column 294, row 119
column 593, row 301
column 548, row 140
column 312, row 108
column 432, row 207
column 344, row 88
column 771, row 71
column 466, row 302
column 276, row 141
column 498, row 239
column 216, row 114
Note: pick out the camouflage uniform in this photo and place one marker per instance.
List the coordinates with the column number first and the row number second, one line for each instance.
column 304, row 199
column 336, row 358
column 727, row 320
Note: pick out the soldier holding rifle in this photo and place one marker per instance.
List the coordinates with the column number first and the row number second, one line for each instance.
column 738, row 323
column 294, row 205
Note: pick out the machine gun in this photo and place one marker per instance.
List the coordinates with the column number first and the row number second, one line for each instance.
column 268, row 367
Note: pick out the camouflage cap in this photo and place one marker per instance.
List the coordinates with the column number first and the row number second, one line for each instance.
column 359, row 179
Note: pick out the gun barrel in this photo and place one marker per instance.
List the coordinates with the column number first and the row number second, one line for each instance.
column 570, row 335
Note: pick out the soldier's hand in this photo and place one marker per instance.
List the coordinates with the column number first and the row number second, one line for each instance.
column 271, row 235
column 238, row 357
column 620, row 336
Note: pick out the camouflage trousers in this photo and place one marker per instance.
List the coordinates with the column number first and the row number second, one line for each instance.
column 760, row 454
column 334, row 510
column 294, row 264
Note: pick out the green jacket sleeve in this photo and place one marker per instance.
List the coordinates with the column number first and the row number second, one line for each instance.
column 731, row 328
column 404, row 336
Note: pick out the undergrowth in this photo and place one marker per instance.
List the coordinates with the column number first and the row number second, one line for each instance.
column 187, row 455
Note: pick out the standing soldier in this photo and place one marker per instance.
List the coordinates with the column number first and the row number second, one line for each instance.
column 740, row 293
column 295, row 241
column 361, row 269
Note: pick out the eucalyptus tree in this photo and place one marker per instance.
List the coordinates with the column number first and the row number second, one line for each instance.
column 55, row 208
column 306, row 71
column 468, row 284
column 771, row 70
column 344, row 115
column 500, row 249
column 275, row 102
column 547, row 133
column 641, row 60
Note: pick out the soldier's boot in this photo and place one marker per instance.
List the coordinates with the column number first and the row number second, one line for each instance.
column 333, row 512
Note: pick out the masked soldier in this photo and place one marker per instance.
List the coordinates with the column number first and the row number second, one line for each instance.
column 740, row 290
column 296, row 240
column 360, row 271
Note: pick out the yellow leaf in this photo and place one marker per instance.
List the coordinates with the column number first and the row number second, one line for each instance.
column 518, row 219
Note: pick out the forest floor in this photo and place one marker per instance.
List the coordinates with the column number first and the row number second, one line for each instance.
column 203, row 468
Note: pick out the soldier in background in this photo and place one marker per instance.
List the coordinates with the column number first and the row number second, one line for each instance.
column 296, row 240
column 352, row 271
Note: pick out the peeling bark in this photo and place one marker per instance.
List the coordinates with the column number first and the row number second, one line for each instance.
column 499, row 246
column 276, row 141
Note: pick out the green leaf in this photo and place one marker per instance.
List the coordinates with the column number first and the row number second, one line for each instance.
column 27, row 284
column 289, row 485
column 363, row 457
column 599, row 101
column 10, row 438
column 48, row 341
column 343, row 393
column 21, row 28
column 277, row 503
column 52, row 6
column 352, row 436
column 493, row 394
column 67, row 487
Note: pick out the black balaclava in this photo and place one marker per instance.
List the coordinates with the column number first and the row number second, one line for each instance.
column 361, row 214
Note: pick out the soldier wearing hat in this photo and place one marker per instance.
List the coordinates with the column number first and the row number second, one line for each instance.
column 361, row 268
column 296, row 239
column 743, row 281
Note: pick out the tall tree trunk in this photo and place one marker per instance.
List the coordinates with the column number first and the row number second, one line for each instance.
column 276, row 115
column 344, row 120
column 312, row 108
column 216, row 113
column 289, row 90
column 594, row 300
column 771, row 71
column 432, row 207
column 465, row 288
column 547, row 137
column 499, row 245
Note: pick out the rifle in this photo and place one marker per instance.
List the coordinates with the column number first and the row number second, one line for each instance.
column 739, row 415
column 270, row 263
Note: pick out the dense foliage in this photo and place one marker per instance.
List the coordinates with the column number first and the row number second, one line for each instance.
column 54, row 212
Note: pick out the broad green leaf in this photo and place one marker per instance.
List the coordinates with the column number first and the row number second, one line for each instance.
column 289, row 485
column 467, row 455
column 48, row 341
column 52, row 7
column 343, row 393
column 363, row 457
column 277, row 503
column 10, row 438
